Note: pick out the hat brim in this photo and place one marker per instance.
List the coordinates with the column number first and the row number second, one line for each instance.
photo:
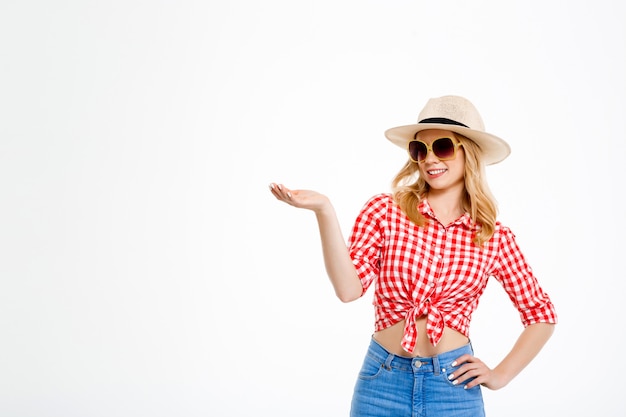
column 493, row 148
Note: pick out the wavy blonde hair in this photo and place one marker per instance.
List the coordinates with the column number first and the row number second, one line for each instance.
column 409, row 188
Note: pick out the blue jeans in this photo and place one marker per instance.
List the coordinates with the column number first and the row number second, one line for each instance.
column 396, row 386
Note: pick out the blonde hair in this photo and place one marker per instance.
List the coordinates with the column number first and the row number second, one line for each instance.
column 409, row 188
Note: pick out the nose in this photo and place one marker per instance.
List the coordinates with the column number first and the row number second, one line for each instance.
column 430, row 157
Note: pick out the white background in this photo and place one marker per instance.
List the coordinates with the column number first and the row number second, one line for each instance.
column 146, row 270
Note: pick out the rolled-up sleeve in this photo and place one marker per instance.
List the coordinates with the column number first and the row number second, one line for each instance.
column 521, row 285
column 366, row 240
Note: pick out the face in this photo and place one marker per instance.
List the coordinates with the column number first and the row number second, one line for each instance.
column 441, row 174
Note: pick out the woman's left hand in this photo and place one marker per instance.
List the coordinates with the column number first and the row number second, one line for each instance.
column 472, row 367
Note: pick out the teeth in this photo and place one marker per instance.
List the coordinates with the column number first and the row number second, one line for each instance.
column 436, row 171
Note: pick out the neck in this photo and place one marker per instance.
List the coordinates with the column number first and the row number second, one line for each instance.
column 446, row 203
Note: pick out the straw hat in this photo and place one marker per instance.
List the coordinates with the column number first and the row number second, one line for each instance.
column 458, row 115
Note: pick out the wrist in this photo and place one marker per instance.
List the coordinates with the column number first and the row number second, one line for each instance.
column 324, row 209
column 501, row 377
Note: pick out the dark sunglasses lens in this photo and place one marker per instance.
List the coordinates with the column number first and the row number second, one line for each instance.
column 443, row 148
column 417, row 150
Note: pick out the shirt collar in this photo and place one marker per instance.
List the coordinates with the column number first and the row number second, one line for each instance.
column 465, row 220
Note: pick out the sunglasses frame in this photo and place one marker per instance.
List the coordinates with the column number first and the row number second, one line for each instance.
column 429, row 148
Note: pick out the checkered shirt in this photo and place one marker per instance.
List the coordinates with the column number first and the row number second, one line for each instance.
column 437, row 271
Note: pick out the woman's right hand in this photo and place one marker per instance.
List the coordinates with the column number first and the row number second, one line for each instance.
column 306, row 199
column 339, row 266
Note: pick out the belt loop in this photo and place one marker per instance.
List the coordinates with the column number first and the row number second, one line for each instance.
column 388, row 361
column 436, row 365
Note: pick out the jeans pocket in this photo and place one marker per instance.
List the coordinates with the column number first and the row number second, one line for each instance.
column 371, row 368
column 451, row 370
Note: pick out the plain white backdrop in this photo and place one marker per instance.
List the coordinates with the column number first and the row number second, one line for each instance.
column 146, row 270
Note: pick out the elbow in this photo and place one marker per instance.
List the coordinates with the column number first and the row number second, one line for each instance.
column 348, row 286
column 347, row 298
column 349, row 295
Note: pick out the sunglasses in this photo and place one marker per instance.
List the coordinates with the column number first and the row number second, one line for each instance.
column 443, row 148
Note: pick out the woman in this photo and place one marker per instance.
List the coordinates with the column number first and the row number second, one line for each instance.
column 431, row 247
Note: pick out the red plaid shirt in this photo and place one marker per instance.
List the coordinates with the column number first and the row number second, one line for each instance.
column 437, row 271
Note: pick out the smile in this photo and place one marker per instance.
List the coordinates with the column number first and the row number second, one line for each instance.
column 436, row 171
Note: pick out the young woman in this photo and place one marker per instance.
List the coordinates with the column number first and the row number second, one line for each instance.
column 431, row 247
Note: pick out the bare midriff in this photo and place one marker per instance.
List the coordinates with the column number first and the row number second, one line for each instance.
column 391, row 337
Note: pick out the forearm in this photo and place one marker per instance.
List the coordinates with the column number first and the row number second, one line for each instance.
column 339, row 266
column 337, row 261
column 528, row 345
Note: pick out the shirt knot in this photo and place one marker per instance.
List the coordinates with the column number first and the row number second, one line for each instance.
column 434, row 325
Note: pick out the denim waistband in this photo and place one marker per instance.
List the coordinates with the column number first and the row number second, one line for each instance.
column 433, row 364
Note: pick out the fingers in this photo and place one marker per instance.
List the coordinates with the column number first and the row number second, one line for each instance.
column 472, row 372
column 307, row 199
column 281, row 192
